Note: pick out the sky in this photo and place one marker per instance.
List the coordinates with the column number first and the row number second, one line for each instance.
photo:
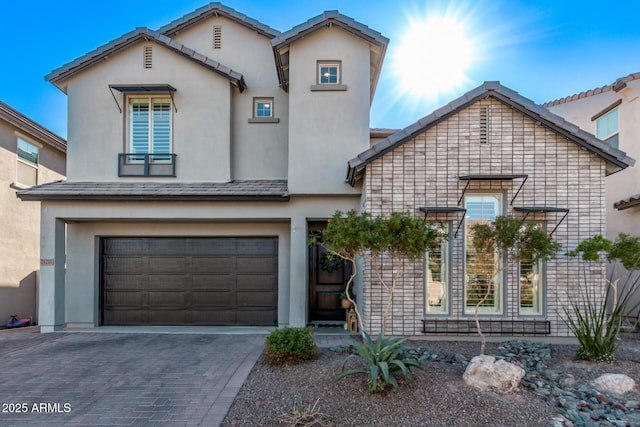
column 543, row 49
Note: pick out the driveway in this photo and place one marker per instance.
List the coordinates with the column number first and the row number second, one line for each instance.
column 97, row 378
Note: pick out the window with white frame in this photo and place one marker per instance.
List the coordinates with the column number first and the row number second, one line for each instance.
column 150, row 126
column 530, row 287
column 328, row 73
column 607, row 128
column 263, row 107
column 437, row 276
column 482, row 270
column 27, row 168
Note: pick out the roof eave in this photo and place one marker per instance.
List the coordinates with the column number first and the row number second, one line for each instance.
column 34, row 129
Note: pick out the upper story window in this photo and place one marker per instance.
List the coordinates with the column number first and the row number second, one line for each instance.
column 27, row 168
column 263, row 111
column 329, row 76
column 263, row 107
column 607, row 128
column 328, row 73
column 150, row 125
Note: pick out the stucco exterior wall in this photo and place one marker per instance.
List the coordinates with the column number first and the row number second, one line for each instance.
column 20, row 231
column 258, row 150
column 326, row 128
column 201, row 132
column 425, row 171
column 626, row 183
column 85, row 223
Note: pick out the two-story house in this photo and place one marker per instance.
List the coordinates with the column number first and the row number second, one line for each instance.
column 30, row 155
column 199, row 156
column 204, row 153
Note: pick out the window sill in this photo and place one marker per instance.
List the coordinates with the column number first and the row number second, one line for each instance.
column 18, row 186
column 328, row 87
column 264, row 120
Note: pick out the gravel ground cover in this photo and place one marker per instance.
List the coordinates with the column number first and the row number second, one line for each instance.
column 555, row 392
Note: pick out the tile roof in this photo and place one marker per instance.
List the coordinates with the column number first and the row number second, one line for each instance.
column 616, row 159
column 329, row 18
column 216, row 9
column 615, row 86
column 61, row 74
column 32, row 128
column 627, row 203
column 249, row 190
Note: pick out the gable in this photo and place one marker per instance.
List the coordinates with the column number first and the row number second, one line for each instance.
column 61, row 75
column 615, row 160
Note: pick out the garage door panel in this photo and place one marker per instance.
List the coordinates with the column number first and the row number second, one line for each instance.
column 122, row 265
column 218, row 300
column 167, row 265
column 256, row 299
column 131, row 299
column 257, row 265
column 115, row 282
column 163, row 300
column 219, row 264
column 212, row 246
column 215, row 282
column 168, row 246
column 123, row 246
column 257, row 282
column 189, row 281
column 256, row 247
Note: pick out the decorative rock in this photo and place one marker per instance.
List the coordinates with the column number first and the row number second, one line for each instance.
column 484, row 372
column 614, row 383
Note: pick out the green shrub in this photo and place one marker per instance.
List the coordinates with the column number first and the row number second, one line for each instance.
column 290, row 346
column 384, row 359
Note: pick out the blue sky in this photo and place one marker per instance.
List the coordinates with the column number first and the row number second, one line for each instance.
column 542, row 49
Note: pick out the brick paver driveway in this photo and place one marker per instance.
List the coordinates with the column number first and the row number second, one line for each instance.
column 121, row 378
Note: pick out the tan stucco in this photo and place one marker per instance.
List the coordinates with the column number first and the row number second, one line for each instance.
column 326, row 126
column 626, row 183
column 19, row 235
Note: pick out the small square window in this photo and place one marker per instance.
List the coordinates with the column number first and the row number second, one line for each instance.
column 607, row 128
column 328, row 73
column 263, row 107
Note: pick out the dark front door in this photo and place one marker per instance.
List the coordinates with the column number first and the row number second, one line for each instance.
column 189, row 281
column 327, row 280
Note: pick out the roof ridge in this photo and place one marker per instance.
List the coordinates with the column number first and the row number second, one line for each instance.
column 596, row 91
column 32, row 127
column 215, row 8
column 90, row 58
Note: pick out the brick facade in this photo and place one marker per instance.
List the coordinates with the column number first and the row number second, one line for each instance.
column 425, row 171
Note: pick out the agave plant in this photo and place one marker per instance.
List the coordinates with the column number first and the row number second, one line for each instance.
column 384, row 358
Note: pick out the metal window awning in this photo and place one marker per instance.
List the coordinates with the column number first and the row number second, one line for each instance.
column 470, row 178
column 151, row 88
column 526, row 210
column 445, row 210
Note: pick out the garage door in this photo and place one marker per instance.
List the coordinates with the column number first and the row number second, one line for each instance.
column 189, row 281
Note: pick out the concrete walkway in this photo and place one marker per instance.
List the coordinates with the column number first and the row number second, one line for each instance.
column 112, row 376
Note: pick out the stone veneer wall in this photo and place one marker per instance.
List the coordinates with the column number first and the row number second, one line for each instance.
column 425, row 171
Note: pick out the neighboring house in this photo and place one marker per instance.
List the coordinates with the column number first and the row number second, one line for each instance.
column 205, row 153
column 612, row 112
column 490, row 152
column 29, row 155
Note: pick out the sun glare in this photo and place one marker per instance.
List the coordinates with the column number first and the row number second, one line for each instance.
column 433, row 56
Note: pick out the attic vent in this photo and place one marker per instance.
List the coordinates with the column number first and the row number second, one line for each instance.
column 217, row 36
column 484, row 125
column 148, row 57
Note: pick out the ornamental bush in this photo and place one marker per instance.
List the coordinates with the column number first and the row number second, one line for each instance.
column 290, row 346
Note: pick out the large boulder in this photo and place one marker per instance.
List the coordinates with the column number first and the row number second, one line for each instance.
column 484, row 372
column 618, row 384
